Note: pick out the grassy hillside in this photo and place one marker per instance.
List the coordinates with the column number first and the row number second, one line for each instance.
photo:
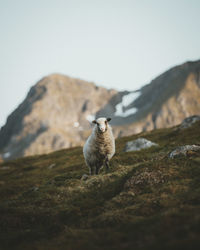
column 146, row 201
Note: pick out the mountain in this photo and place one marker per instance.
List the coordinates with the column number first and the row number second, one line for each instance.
column 165, row 102
column 58, row 110
column 146, row 201
column 55, row 114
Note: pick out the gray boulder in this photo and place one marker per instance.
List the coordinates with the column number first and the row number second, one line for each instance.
column 138, row 144
column 183, row 150
column 189, row 121
column 84, row 177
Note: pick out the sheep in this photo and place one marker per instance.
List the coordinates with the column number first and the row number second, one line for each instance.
column 100, row 146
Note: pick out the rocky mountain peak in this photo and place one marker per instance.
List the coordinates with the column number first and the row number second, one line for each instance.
column 55, row 114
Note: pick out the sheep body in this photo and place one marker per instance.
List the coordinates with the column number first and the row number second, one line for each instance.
column 100, row 146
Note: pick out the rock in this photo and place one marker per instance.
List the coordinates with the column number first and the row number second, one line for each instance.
column 140, row 143
column 189, row 121
column 84, row 177
column 183, row 150
column 34, row 189
column 51, row 166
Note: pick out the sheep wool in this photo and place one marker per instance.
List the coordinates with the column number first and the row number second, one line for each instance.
column 100, row 146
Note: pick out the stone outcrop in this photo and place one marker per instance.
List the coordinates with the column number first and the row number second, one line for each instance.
column 138, row 144
column 184, row 151
column 189, row 121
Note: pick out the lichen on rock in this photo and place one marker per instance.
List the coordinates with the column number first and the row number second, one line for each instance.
column 183, row 150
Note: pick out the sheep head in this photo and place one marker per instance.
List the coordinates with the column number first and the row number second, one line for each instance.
column 102, row 124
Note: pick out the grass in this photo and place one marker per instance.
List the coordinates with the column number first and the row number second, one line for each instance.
column 146, row 201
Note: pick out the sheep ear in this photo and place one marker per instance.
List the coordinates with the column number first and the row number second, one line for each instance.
column 94, row 122
column 108, row 119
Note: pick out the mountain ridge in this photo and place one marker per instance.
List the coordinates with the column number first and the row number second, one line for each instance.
column 58, row 110
column 51, row 106
column 168, row 99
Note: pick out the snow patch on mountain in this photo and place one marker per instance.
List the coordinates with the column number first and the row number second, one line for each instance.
column 90, row 118
column 7, row 155
column 126, row 101
column 76, row 124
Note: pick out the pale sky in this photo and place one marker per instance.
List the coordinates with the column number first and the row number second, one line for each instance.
column 121, row 44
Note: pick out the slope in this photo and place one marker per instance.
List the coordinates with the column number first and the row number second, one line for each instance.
column 147, row 201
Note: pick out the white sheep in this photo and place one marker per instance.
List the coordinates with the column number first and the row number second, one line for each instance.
column 100, row 146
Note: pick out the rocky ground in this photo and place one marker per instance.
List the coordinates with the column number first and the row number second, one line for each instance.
column 148, row 200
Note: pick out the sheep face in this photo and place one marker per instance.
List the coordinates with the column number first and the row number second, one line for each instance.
column 102, row 124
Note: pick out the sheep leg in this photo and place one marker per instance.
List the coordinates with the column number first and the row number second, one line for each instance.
column 97, row 169
column 91, row 170
column 107, row 165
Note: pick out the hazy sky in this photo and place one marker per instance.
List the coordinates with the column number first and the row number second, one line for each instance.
column 120, row 44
